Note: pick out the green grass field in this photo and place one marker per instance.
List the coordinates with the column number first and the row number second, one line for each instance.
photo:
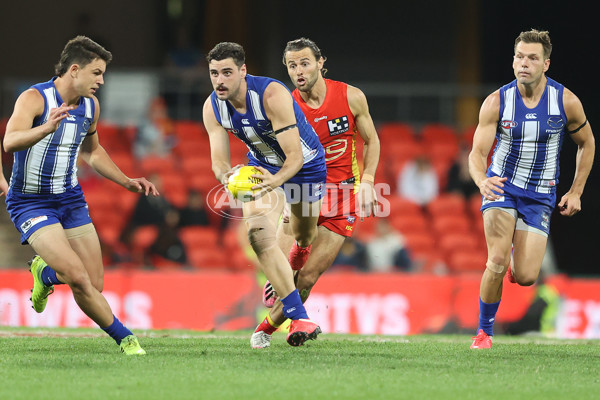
column 83, row 364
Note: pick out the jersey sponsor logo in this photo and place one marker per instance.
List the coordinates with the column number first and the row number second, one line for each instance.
column 349, row 228
column 232, row 131
column 555, row 122
column 71, row 118
column 87, row 122
column 531, row 115
column 487, row 201
column 338, row 125
column 26, row 226
column 508, row 124
column 553, row 130
column 320, row 118
column 245, row 121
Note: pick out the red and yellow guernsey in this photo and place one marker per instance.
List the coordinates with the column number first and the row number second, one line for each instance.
column 334, row 123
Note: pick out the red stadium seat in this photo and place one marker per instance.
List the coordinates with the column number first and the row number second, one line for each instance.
column 154, row 164
column 190, row 131
column 447, row 203
column 144, row 236
column 436, row 132
column 419, row 242
column 390, row 132
column 451, row 242
column 199, row 237
column 209, row 258
column 467, row 261
column 409, row 223
column 399, row 205
column 451, row 223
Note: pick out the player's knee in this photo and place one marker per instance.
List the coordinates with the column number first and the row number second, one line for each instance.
column 261, row 239
column 306, row 237
column 79, row 282
column 526, row 278
column 494, row 266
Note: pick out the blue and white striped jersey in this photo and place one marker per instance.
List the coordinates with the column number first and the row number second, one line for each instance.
column 529, row 139
column 49, row 166
column 255, row 130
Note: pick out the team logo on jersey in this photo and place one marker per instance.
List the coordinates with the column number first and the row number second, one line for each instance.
column 86, row 124
column 508, row 124
column 556, row 122
column 338, row 125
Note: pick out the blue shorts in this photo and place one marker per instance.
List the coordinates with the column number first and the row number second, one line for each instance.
column 30, row 212
column 308, row 185
column 532, row 207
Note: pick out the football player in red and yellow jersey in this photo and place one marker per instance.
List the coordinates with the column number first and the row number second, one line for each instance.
column 337, row 112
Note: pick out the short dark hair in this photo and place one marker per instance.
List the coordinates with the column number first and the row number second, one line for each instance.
column 81, row 50
column 225, row 50
column 303, row 43
column 535, row 36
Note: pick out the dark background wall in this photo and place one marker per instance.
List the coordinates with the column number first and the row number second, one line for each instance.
column 436, row 41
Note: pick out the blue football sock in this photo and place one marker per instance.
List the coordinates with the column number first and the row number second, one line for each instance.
column 293, row 307
column 487, row 316
column 117, row 330
column 49, row 277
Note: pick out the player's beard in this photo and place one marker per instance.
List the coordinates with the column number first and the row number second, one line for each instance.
column 310, row 83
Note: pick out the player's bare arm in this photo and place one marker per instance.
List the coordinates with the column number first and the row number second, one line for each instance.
column 219, row 144
column 96, row 156
column 19, row 132
column 367, row 200
column 279, row 107
column 582, row 135
column 483, row 139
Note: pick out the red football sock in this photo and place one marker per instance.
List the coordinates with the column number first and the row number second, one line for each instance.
column 267, row 326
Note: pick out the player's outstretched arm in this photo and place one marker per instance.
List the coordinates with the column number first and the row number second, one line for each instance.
column 578, row 127
column 366, row 197
column 19, row 132
column 490, row 188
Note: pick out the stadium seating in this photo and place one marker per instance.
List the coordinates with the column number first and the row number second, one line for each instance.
column 409, row 223
column 208, row 258
column 451, row 223
column 399, row 205
column 143, row 237
column 467, row 261
column 199, row 237
column 451, row 242
column 390, row 132
column 447, row 203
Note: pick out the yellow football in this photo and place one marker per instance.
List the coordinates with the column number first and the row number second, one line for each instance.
column 241, row 181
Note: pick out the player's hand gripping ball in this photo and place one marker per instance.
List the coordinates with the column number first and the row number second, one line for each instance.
column 241, row 182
